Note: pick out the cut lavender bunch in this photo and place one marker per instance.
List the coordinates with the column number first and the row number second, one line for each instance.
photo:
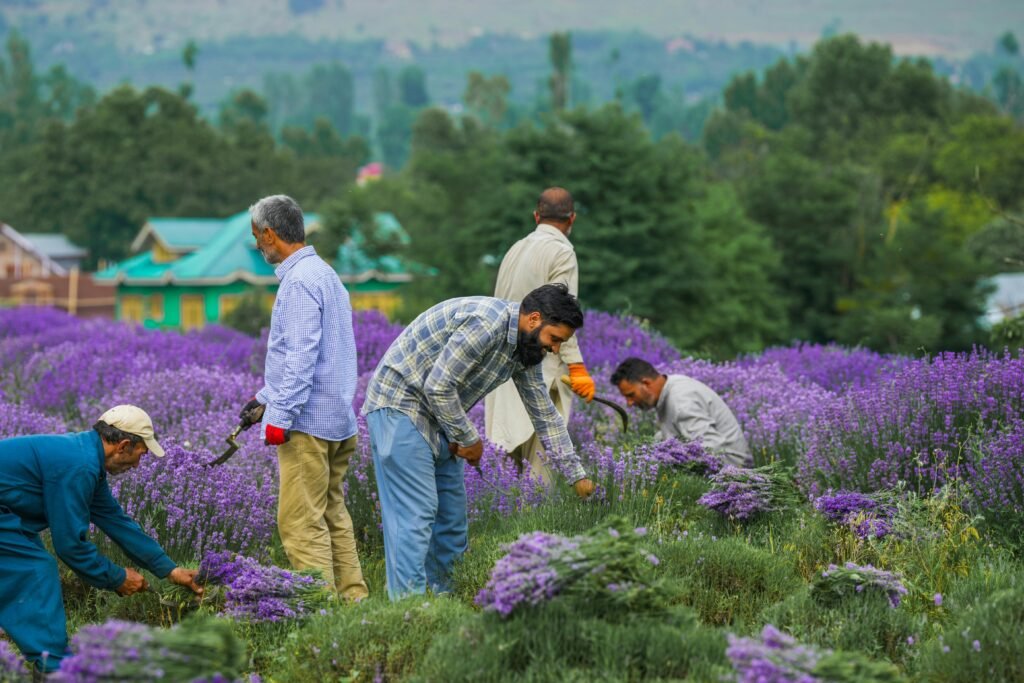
column 775, row 657
column 260, row 593
column 128, row 651
column 866, row 516
column 740, row 493
column 835, row 583
column 690, row 457
column 603, row 565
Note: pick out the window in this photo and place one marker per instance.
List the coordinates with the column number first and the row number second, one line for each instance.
column 156, row 307
column 193, row 314
column 228, row 303
column 131, row 308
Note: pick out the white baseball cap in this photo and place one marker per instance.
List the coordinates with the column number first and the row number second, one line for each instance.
column 134, row 420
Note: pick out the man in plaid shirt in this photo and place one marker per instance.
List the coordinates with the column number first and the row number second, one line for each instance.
column 442, row 364
column 306, row 403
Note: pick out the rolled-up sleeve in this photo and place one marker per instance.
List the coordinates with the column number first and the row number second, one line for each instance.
column 548, row 423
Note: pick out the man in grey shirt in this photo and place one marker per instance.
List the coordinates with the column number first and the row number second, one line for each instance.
column 687, row 410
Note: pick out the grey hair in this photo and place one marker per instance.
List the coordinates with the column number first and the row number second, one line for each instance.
column 282, row 214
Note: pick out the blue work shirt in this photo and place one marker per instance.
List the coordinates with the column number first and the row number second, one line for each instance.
column 60, row 482
column 310, row 373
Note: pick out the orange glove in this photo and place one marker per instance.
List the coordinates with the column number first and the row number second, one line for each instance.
column 581, row 382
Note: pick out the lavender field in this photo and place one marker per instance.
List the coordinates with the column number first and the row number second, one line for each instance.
column 879, row 538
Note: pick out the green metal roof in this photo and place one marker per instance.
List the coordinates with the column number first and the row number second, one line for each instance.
column 179, row 234
column 229, row 254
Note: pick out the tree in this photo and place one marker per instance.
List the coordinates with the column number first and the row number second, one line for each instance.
column 1008, row 45
column 922, row 291
column 487, row 98
column 1009, row 91
column 189, row 54
column 811, row 211
column 560, row 54
column 412, row 87
column 331, row 95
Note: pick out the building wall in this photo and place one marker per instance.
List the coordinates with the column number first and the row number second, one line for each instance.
column 178, row 307
column 17, row 262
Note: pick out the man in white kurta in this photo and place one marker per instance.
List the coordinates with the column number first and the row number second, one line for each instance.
column 543, row 257
column 688, row 410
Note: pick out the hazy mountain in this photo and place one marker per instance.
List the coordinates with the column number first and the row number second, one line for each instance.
column 928, row 27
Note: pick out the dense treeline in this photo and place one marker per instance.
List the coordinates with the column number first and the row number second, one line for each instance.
column 842, row 195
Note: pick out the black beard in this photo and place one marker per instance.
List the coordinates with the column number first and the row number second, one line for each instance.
column 528, row 350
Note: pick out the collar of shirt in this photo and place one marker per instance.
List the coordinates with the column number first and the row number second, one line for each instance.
column 513, row 324
column 549, row 229
column 289, row 263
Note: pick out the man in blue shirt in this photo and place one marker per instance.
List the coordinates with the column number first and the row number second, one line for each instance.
column 60, row 482
column 442, row 364
column 310, row 381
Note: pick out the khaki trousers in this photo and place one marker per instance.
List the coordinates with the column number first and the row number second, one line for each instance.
column 530, row 450
column 315, row 527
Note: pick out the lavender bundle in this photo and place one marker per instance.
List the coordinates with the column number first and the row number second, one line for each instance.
column 836, row 583
column 740, row 493
column 690, row 457
column 604, row 565
column 260, row 593
column 777, row 657
column 198, row 649
column 865, row 515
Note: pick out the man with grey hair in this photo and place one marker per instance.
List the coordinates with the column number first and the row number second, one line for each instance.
column 306, row 403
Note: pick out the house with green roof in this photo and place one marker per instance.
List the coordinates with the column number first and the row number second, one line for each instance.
column 188, row 272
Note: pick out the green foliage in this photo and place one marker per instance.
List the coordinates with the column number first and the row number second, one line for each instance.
column 861, row 622
column 727, row 580
column 371, row 639
column 568, row 640
column 922, row 289
column 251, row 315
column 1008, row 334
column 809, row 209
column 984, row 644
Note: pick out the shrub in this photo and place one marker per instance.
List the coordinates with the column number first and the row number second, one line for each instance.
column 984, row 644
column 865, row 623
column 567, row 640
column 371, row 640
column 728, row 581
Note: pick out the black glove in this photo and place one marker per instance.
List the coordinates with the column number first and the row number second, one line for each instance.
column 251, row 413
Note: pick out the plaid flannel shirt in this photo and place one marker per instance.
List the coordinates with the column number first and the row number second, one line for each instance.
column 310, row 374
column 449, row 358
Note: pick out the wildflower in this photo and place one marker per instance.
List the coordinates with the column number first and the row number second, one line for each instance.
column 938, row 599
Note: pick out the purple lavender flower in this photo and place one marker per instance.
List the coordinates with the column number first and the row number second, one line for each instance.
column 739, row 493
column 12, row 666
column 261, row 593
column 838, row 581
column 774, row 658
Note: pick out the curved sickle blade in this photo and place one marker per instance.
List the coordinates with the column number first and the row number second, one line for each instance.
column 232, row 448
column 611, row 404
column 618, row 409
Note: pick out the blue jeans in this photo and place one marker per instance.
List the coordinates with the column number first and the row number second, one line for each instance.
column 423, row 505
column 31, row 605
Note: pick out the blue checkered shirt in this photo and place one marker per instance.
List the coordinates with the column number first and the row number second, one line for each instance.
column 449, row 358
column 310, row 374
